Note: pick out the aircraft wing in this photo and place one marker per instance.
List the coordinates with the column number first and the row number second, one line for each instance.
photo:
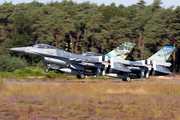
column 165, row 72
column 119, row 67
column 147, row 63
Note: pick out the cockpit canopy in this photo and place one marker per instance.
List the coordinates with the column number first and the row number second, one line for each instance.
column 44, row 46
column 91, row 54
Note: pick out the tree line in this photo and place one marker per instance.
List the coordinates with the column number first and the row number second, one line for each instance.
column 87, row 27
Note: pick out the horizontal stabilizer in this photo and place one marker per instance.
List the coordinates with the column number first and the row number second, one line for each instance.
column 138, row 63
column 122, row 69
column 162, row 69
column 164, row 72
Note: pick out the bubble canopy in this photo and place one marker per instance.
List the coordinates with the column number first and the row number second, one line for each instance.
column 44, row 46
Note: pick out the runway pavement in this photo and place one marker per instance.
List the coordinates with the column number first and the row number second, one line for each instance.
column 141, row 81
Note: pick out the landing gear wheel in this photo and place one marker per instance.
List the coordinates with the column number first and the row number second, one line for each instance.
column 82, row 76
column 46, row 70
column 128, row 79
column 78, row 76
column 94, row 76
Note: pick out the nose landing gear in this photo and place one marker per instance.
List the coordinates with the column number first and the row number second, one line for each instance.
column 47, row 70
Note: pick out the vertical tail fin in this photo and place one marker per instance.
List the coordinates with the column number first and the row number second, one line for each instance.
column 122, row 51
column 163, row 54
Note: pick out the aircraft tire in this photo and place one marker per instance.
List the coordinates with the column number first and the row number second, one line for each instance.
column 82, row 76
column 94, row 76
column 128, row 79
column 46, row 70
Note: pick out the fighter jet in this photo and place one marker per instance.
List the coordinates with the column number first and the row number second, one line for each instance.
column 108, row 64
column 72, row 63
column 155, row 65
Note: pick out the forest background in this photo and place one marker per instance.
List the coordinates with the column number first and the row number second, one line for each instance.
column 83, row 27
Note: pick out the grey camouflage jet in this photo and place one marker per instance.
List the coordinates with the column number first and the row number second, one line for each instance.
column 74, row 63
column 112, row 64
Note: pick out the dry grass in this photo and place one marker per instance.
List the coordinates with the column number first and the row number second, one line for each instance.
column 90, row 101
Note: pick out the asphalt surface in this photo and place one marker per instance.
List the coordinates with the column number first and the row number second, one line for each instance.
column 163, row 80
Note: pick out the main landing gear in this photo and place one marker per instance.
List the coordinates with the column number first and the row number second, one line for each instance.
column 47, row 70
column 128, row 79
column 82, row 76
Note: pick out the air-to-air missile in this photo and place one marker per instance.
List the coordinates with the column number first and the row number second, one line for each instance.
column 123, row 77
column 75, row 72
column 115, row 75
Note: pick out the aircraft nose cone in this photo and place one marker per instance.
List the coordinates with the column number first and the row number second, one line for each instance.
column 18, row 49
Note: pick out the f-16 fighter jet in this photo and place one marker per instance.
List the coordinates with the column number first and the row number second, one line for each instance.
column 155, row 65
column 74, row 63
column 114, row 65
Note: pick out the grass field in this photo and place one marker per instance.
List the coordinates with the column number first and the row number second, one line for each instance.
column 90, row 101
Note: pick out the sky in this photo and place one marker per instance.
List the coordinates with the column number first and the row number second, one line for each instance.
column 166, row 3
